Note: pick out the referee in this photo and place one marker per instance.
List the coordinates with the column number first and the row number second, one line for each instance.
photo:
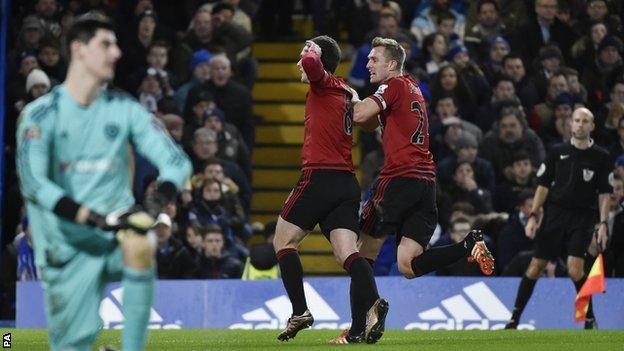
column 572, row 182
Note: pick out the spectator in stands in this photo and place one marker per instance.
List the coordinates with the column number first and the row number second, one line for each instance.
column 577, row 89
column 135, row 47
column 617, row 148
column 508, row 136
column 444, row 109
column 217, row 263
column 29, row 37
column 489, row 26
column 206, row 33
column 513, row 12
column 614, row 256
column 230, row 11
column 231, row 97
column 465, row 150
column 603, row 71
column 47, row 12
column 542, row 113
column 16, row 89
column 173, row 259
column 470, row 72
column 458, row 230
column 503, row 92
column 175, row 127
column 207, row 208
column 544, row 29
column 37, row 84
column 525, row 87
column 508, row 193
column 498, row 48
column 26, row 269
column 449, row 81
column 200, row 73
column 584, row 49
column 465, row 189
column 194, row 241
column 197, row 103
column 150, row 91
column 547, row 64
column 231, row 145
column 553, row 132
column 445, row 25
column 262, row 262
column 157, row 59
column 436, row 47
column 598, row 11
column 205, row 147
column 512, row 239
column 229, row 199
column 49, row 57
column 424, row 22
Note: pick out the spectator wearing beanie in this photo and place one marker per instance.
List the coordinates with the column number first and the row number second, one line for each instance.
column 548, row 62
column 200, row 73
column 606, row 68
column 492, row 64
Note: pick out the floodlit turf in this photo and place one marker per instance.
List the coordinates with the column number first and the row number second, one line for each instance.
column 188, row 340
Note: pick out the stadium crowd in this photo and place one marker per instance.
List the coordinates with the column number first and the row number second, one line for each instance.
column 501, row 77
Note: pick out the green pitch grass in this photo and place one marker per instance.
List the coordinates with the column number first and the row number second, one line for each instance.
column 189, row 340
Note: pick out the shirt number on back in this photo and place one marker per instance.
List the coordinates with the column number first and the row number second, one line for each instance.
column 418, row 138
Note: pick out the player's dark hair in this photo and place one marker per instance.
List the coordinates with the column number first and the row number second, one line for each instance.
column 85, row 27
column 330, row 52
column 483, row 2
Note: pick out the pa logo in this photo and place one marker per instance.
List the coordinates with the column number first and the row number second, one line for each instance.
column 111, row 130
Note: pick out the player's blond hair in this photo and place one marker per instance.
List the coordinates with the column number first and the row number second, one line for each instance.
column 394, row 51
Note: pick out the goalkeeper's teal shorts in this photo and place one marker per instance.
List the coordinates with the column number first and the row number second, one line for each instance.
column 73, row 291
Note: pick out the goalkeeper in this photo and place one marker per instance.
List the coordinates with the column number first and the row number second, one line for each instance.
column 74, row 167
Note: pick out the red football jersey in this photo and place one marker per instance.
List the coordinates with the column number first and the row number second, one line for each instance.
column 405, row 125
column 328, row 120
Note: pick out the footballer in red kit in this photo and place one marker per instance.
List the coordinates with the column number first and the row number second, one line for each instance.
column 327, row 194
column 404, row 196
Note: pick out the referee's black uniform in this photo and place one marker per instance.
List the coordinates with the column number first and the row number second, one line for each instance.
column 575, row 178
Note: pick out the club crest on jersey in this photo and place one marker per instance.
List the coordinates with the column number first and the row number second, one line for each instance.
column 588, row 174
column 382, row 88
column 111, row 130
column 414, row 89
column 32, row 133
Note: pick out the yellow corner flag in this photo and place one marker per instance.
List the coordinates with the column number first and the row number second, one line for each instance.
column 595, row 283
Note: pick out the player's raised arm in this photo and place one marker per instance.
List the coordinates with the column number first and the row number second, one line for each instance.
column 311, row 61
column 153, row 142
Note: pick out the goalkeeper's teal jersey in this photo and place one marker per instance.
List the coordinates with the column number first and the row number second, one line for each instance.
column 65, row 149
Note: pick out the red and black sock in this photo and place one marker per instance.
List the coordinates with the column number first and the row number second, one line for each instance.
column 363, row 290
column 438, row 257
column 292, row 277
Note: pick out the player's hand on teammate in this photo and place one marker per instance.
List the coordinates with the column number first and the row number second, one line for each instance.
column 312, row 46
